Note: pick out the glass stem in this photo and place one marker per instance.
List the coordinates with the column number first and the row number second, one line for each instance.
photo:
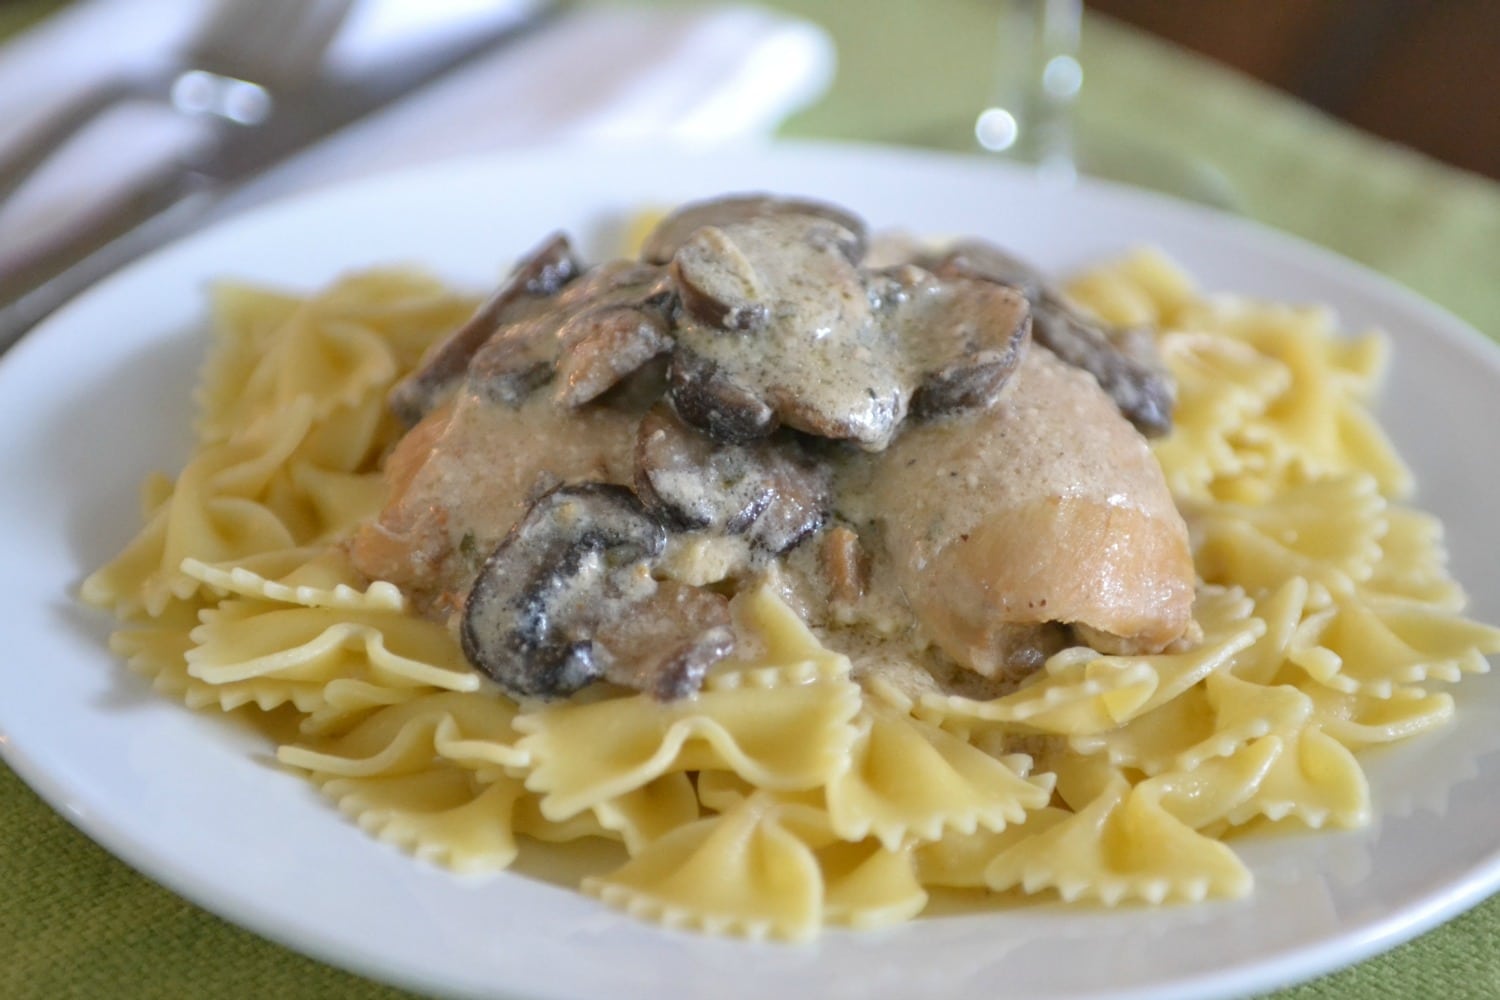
column 1037, row 80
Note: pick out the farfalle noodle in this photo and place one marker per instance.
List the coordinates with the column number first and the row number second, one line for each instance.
column 800, row 789
column 583, row 754
column 1122, row 845
column 908, row 780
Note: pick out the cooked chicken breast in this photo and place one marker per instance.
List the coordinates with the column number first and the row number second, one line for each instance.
column 1047, row 507
column 754, row 403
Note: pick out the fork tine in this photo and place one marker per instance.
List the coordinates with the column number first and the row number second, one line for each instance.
column 277, row 44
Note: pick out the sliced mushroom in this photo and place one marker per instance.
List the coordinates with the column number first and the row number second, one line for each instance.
column 692, row 482
column 776, row 328
column 961, row 339
column 603, row 346
column 718, row 282
column 801, row 499
column 674, row 230
column 580, row 557
column 1144, row 391
column 731, row 277
column 667, row 642
column 602, row 327
column 1134, row 378
column 539, row 276
column 766, row 490
column 518, row 359
column 710, row 400
column 1152, row 411
column 568, row 599
column 986, row 262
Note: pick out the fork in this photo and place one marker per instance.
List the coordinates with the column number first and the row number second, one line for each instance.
column 237, row 74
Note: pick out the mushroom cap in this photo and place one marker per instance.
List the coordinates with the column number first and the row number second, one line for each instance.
column 579, row 557
column 568, row 598
column 767, row 490
column 957, row 341
column 774, row 315
column 601, row 328
column 539, row 276
column 1128, row 369
column 675, row 229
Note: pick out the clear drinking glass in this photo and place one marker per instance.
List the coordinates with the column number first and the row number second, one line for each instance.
column 1037, row 81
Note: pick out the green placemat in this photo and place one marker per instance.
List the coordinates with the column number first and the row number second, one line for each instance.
column 18, row 15
column 919, row 73
column 75, row 922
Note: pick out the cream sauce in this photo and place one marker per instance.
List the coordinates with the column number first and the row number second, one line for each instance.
column 984, row 540
column 466, row 475
column 1047, row 507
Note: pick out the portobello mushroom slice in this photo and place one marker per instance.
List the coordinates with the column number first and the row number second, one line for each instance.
column 539, row 276
column 568, row 598
column 675, row 229
column 1125, row 366
column 603, row 326
column 775, row 328
column 768, row 491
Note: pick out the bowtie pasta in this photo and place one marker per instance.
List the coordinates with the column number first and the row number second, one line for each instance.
column 794, row 792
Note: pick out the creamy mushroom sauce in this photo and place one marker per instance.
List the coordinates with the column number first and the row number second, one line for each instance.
column 764, row 403
column 462, row 478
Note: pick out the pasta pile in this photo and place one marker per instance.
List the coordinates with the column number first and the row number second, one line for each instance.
column 786, row 797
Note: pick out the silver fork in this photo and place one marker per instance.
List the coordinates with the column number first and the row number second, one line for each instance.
column 242, row 65
column 254, row 73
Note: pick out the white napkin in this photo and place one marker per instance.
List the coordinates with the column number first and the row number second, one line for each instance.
column 708, row 74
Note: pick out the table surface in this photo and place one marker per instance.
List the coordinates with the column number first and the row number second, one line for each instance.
column 74, row 921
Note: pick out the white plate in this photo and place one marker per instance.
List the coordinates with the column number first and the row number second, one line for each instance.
column 101, row 396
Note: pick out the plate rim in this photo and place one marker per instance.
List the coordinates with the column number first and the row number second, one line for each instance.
column 1293, row 965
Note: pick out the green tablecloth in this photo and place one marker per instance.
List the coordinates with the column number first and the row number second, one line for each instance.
column 74, row 922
